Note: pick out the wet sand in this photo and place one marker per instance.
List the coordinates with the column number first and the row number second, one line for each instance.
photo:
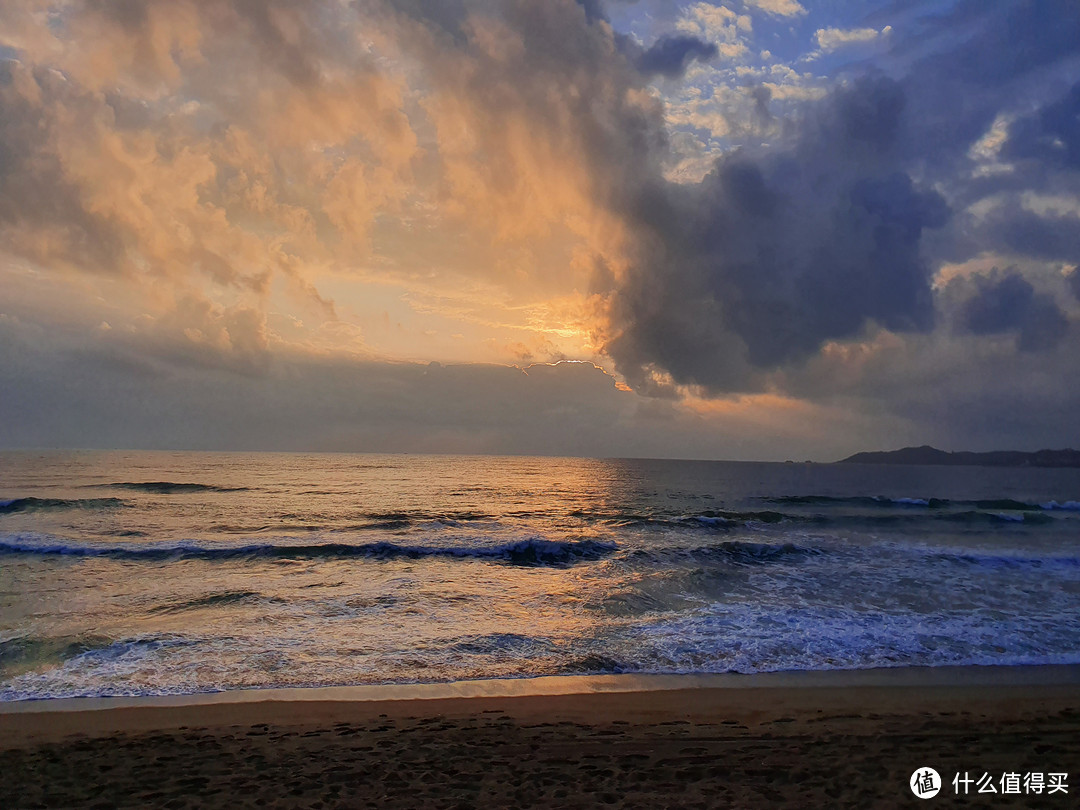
column 810, row 740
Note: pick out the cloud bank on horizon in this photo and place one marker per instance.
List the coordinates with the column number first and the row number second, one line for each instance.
column 766, row 229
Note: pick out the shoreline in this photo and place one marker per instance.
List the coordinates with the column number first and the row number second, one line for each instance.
column 959, row 675
column 800, row 739
column 907, row 689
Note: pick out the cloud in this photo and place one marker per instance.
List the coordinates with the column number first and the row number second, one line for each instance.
column 1006, row 302
column 779, row 8
column 716, row 24
column 774, row 254
column 949, row 388
column 831, row 233
column 1005, row 224
column 535, row 123
column 669, row 56
column 993, row 44
column 1052, row 135
column 218, row 163
column 831, row 39
column 1073, row 277
column 87, row 390
column 195, row 148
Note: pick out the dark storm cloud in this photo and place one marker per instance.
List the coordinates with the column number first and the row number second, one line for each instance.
column 816, row 237
column 1008, row 302
column 596, row 9
column 996, row 62
column 1052, row 135
column 954, row 391
column 996, row 42
column 989, row 57
column 670, row 56
column 777, row 252
column 1073, row 280
column 1043, row 236
column 784, row 248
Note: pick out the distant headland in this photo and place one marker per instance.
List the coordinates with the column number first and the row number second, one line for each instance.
column 995, row 458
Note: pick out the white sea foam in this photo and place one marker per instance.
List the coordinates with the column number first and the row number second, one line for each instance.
column 1072, row 506
column 292, row 571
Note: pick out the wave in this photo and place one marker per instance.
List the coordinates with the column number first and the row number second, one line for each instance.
column 714, row 518
column 1071, row 506
column 724, row 521
column 514, row 645
column 529, row 552
column 931, row 503
column 213, row 600
column 172, row 487
column 263, row 528
column 1004, row 560
column 996, row 517
column 45, row 504
column 858, row 500
column 738, row 552
column 710, row 519
column 408, row 518
column 748, row 553
column 29, row 652
column 968, row 517
column 594, row 664
column 373, row 521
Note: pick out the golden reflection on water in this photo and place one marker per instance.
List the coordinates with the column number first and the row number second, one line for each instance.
column 407, row 619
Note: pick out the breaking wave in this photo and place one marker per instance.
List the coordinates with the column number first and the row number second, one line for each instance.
column 45, row 504
column 737, row 552
column 528, row 552
column 171, row 487
column 930, row 503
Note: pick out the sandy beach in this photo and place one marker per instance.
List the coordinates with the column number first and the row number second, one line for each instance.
column 800, row 740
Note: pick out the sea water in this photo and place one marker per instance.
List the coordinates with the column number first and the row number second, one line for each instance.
column 163, row 573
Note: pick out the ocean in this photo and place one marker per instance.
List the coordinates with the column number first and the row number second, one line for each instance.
column 147, row 573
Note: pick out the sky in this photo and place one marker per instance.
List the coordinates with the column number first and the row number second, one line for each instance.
column 757, row 229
